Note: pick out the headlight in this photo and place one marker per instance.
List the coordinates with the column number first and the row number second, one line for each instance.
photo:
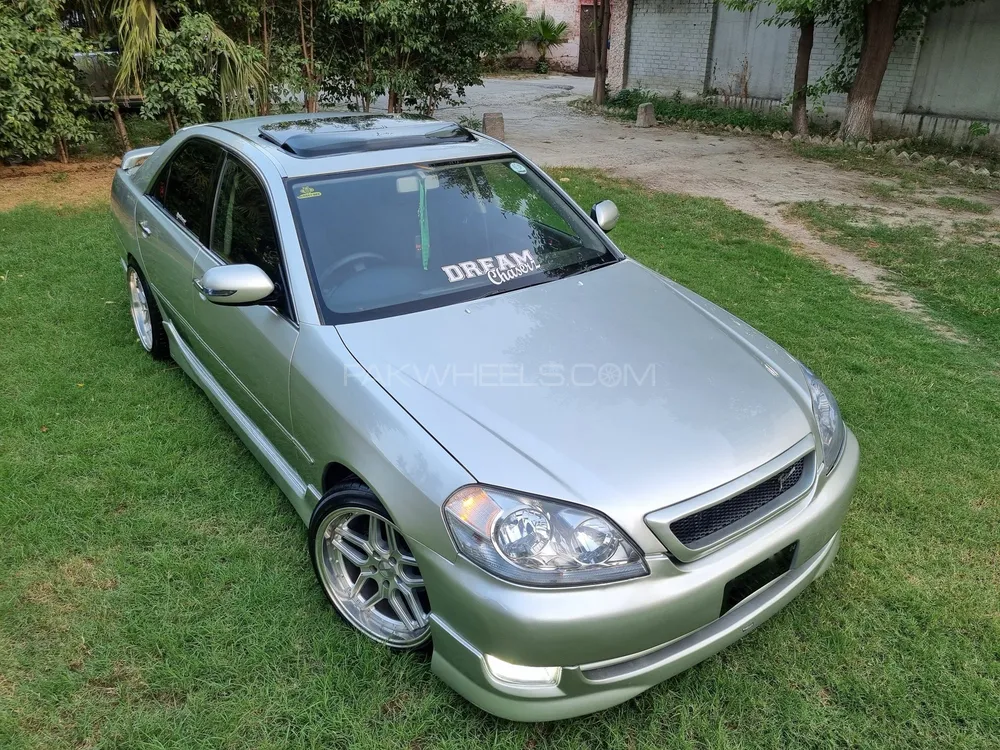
column 539, row 542
column 827, row 413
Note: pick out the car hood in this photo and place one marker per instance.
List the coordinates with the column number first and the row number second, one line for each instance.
column 616, row 389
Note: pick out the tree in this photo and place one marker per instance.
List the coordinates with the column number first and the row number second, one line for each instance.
column 419, row 52
column 547, row 33
column 42, row 107
column 191, row 77
column 868, row 29
column 601, row 30
column 802, row 14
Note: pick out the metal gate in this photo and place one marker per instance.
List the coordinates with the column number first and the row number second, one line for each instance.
column 748, row 57
column 959, row 68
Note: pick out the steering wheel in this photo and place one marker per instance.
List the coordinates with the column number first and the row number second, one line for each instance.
column 329, row 272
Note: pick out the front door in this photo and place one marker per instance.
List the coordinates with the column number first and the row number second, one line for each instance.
column 588, row 53
column 173, row 221
column 248, row 349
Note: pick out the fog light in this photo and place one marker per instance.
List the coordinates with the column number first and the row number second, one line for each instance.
column 515, row 674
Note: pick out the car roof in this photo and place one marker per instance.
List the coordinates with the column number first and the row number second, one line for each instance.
column 328, row 142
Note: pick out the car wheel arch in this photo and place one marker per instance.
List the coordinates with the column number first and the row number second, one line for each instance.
column 335, row 473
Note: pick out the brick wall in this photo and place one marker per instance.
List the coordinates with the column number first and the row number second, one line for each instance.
column 670, row 43
column 895, row 92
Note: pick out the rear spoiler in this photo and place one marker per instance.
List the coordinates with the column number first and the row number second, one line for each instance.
column 136, row 157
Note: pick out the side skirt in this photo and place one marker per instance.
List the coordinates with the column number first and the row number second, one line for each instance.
column 302, row 496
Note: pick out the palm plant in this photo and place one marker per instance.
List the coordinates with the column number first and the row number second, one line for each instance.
column 547, row 33
column 238, row 72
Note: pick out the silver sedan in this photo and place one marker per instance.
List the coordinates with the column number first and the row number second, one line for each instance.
column 568, row 476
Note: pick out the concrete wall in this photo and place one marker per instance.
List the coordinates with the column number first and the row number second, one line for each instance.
column 566, row 56
column 952, row 70
column 748, row 57
column 959, row 69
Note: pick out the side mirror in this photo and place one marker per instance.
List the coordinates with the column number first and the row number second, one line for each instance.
column 605, row 214
column 241, row 284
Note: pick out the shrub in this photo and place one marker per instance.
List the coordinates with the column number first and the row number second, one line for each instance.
column 42, row 105
column 626, row 102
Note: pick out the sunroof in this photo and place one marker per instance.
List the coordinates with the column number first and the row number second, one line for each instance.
column 346, row 134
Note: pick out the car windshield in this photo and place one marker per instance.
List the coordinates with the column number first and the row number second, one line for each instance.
column 408, row 238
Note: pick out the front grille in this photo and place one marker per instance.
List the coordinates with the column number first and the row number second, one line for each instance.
column 692, row 529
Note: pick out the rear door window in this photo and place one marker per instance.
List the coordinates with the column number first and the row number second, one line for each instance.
column 186, row 187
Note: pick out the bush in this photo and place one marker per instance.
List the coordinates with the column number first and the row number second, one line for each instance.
column 626, row 102
column 42, row 105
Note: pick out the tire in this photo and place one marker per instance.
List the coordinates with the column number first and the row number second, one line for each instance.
column 367, row 570
column 146, row 318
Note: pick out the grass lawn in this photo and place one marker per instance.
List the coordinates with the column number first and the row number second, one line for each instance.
column 955, row 269
column 910, row 175
column 156, row 588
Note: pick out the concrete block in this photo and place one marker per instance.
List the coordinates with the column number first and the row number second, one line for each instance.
column 645, row 116
column 493, row 125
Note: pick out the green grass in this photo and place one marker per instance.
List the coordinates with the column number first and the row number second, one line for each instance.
column 910, row 175
column 954, row 203
column 157, row 590
column 625, row 104
column 956, row 273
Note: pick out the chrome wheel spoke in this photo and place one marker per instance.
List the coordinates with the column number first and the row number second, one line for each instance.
column 396, row 602
column 360, row 582
column 350, row 552
column 372, row 600
column 409, row 574
column 414, row 604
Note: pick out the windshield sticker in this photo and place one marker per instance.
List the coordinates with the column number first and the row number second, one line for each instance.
column 518, row 167
column 498, row 269
column 308, row 192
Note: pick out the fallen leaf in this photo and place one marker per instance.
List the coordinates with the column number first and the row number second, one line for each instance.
column 44, row 428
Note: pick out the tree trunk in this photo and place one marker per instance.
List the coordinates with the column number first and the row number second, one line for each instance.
column 120, row 127
column 171, row 121
column 393, row 105
column 881, row 17
column 265, row 99
column 307, row 56
column 800, row 118
column 63, row 153
column 602, row 28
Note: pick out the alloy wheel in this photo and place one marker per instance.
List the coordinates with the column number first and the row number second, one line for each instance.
column 372, row 577
column 140, row 310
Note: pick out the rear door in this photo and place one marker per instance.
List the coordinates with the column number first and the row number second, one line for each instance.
column 248, row 349
column 173, row 222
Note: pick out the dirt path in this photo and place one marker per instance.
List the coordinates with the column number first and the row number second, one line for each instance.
column 751, row 173
column 49, row 184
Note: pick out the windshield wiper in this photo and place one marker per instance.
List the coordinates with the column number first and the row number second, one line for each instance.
column 589, row 267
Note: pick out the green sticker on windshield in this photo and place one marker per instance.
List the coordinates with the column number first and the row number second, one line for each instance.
column 308, row 192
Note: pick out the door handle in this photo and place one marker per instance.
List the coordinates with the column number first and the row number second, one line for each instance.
column 146, row 229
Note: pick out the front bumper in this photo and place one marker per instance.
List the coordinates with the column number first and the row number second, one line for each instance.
column 617, row 640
